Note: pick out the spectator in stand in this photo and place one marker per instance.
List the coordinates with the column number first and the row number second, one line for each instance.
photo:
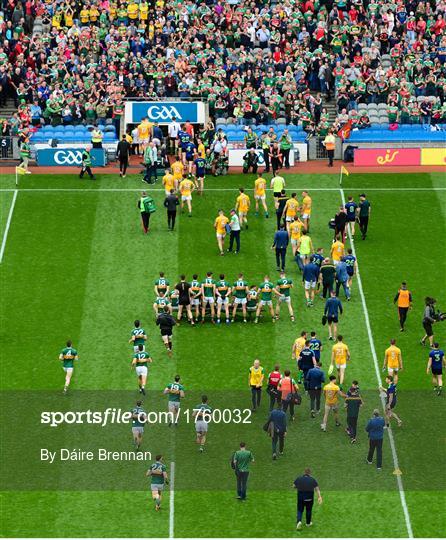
column 89, row 56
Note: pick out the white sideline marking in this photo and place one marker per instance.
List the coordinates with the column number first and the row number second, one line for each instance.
column 135, row 190
column 8, row 225
column 172, row 501
column 378, row 378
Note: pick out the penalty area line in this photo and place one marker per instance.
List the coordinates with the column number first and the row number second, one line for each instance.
column 378, row 378
column 8, row 225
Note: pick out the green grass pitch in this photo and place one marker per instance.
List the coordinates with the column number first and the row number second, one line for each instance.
column 76, row 265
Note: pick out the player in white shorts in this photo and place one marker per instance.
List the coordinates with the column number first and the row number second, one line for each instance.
column 223, row 290
column 202, row 413
column 240, row 293
column 140, row 362
column 208, row 296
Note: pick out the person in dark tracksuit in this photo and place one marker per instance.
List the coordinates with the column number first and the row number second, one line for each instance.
column 278, row 419
column 306, row 485
column 122, row 154
column 281, row 202
column 375, row 429
column 315, row 378
column 353, row 403
column 305, row 362
column 332, row 310
column 327, row 277
column 363, row 210
column 241, row 461
column 171, row 202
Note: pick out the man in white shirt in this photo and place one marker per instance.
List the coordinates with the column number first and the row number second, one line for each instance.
column 173, row 129
column 234, row 223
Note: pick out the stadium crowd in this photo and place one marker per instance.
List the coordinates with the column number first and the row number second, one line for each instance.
column 75, row 61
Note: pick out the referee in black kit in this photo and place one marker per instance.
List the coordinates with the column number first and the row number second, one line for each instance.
column 306, row 485
column 122, row 153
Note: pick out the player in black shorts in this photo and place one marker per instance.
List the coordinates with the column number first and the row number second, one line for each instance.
column 166, row 323
column 184, row 298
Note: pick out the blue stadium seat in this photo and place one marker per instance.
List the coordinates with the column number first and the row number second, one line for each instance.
column 109, row 129
column 109, row 137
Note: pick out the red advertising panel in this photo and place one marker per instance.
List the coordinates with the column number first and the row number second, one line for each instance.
column 387, row 157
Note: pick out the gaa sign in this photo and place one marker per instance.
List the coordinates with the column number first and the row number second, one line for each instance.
column 69, row 157
column 163, row 111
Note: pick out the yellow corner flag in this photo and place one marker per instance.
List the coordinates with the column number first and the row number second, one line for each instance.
column 19, row 170
column 344, row 171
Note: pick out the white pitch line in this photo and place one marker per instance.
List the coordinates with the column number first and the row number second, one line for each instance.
column 8, row 225
column 172, row 501
column 378, row 378
column 135, row 190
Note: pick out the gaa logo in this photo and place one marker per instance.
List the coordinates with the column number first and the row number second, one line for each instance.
column 261, row 158
column 163, row 112
column 68, row 157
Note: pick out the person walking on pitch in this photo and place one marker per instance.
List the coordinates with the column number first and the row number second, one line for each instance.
column 86, row 163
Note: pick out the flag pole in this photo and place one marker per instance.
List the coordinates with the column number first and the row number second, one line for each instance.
column 16, row 177
column 340, row 178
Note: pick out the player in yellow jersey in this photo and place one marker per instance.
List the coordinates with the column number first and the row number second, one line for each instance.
column 260, row 194
column 337, row 251
column 290, row 210
column 169, row 182
column 331, row 394
column 295, row 232
column 220, row 228
column 242, row 205
column 144, row 131
column 340, row 355
column 177, row 169
column 306, row 209
column 393, row 360
column 201, row 150
column 298, row 345
column 186, row 188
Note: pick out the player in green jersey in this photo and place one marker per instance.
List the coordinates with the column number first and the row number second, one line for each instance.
column 140, row 364
column 201, row 413
column 138, row 336
column 175, row 392
column 139, row 418
column 160, row 303
column 282, row 290
column 158, row 480
column 208, row 296
column 251, row 304
column 173, row 297
column 162, row 285
column 266, row 289
column 240, row 293
column 67, row 356
column 195, row 295
column 223, row 290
